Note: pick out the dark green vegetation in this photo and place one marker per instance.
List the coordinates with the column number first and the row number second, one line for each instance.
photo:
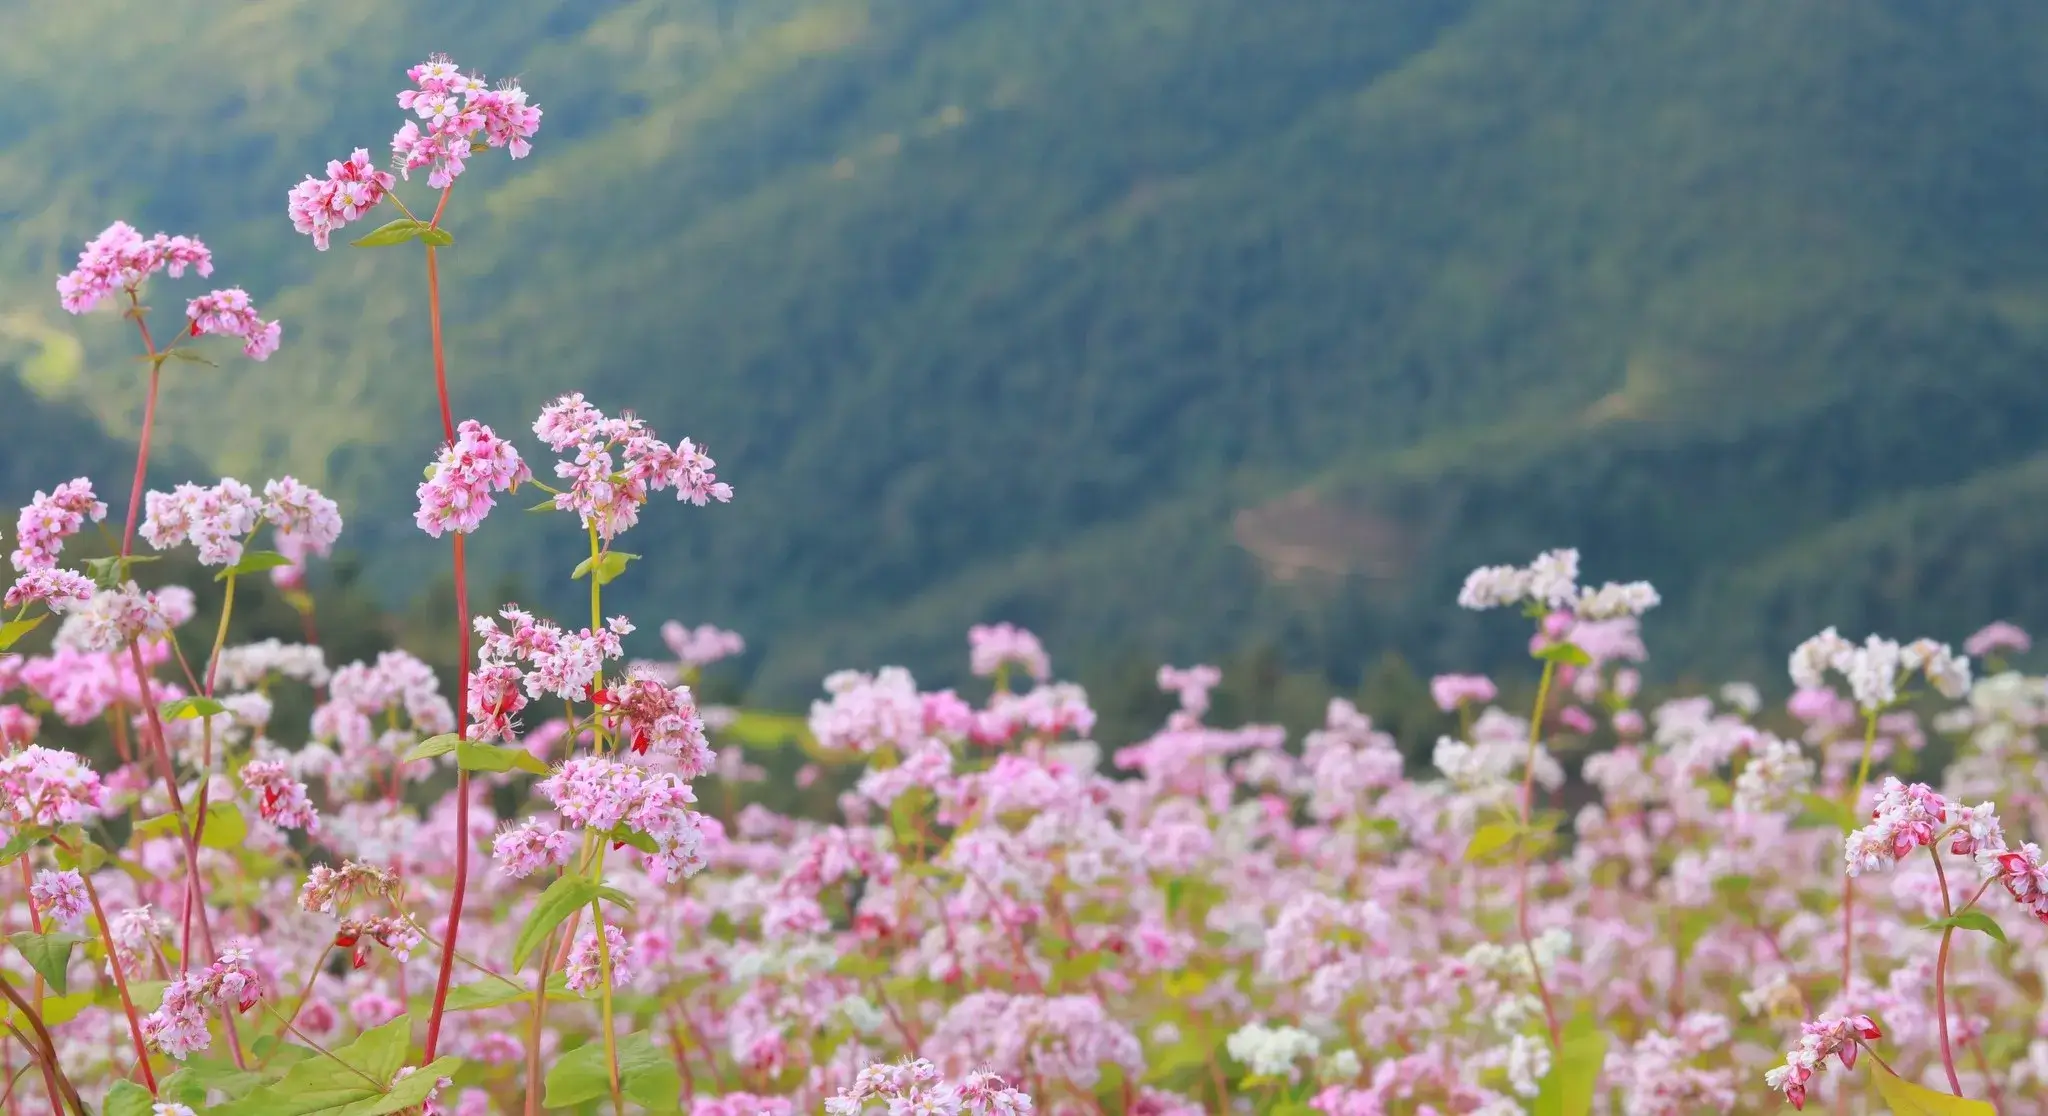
column 1170, row 328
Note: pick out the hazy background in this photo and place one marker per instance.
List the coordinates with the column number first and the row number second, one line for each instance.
column 1173, row 329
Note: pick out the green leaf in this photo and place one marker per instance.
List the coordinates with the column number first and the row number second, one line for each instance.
column 438, row 237
column 84, row 855
column 254, row 561
column 1907, row 1099
column 226, row 828
column 616, row 898
column 1491, row 838
column 562, row 897
column 1970, row 920
column 127, row 1098
column 15, row 629
column 1733, row 888
column 198, row 1076
column 487, row 993
column 397, row 232
column 336, row 1084
column 48, row 954
column 1574, row 1073
column 407, row 1093
column 607, row 566
column 545, row 505
column 1564, row 654
column 646, row 1075
column 472, row 756
column 190, row 708
column 1827, row 811
column 432, row 746
column 22, row 841
column 185, row 355
column 633, row 838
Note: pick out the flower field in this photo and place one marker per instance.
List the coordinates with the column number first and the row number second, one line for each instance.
column 518, row 893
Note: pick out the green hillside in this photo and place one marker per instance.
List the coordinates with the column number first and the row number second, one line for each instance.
column 1168, row 327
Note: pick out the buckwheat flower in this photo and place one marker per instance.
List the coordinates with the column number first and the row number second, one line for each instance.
column 170, row 1109
column 1812, row 659
column 2024, row 877
column 584, row 967
column 60, row 897
column 49, row 519
column 990, row 646
column 1829, row 1035
column 179, row 1026
column 1554, row 578
column 331, row 890
column 46, row 786
column 120, row 258
column 397, row 935
column 214, row 519
column 1777, row 772
column 230, row 313
column 1271, row 1051
column 301, row 513
column 281, row 799
column 529, row 847
column 702, row 645
column 1996, row 637
column 351, row 189
column 495, row 700
column 1978, row 832
column 1742, row 696
column 1528, row 1064
column 643, row 713
column 1906, row 817
column 1494, row 587
column 245, row 666
column 59, row 590
column 1613, row 601
column 1453, row 690
column 1192, row 685
column 457, row 492
column 1946, row 671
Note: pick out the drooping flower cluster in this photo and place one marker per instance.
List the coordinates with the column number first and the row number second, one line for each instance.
column 230, row 313
column 1906, row 818
column 351, row 189
column 332, row 890
column 1827, row 1036
column 1876, row 668
column 456, row 107
column 178, row 1027
column 457, row 492
column 120, row 258
column 643, row 714
column 395, row 933
column 606, row 491
column 593, row 792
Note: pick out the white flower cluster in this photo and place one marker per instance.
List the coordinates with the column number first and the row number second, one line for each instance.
column 1876, row 668
column 242, row 668
column 1777, row 772
column 1271, row 1051
column 1552, row 580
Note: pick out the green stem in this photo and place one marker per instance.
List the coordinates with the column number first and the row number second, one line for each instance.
column 1848, row 881
column 604, row 949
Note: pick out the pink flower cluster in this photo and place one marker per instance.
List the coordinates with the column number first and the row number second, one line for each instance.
column 114, row 618
column 60, row 897
column 60, row 590
column 585, row 965
column 990, row 646
column 229, row 313
column 1829, row 1035
column 46, row 786
column 178, row 1027
column 456, row 107
column 1906, row 818
column 593, row 792
column 361, row 693
column 560, row 663
column 457, row 492
column 281, row 799
column 351, row 189
column 396, row 934
column 917, row 1087
column 644, row 714
column 49, row 519
column 607, row 493
column 1450, row 691
column 530, row 847
column 330, row 890
column 119, row 259
column 217, row 519
column 699, row 647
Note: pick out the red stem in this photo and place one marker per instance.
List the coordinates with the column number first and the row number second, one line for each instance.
column 1948, row 1055
column 120, row 979
column 461, row 667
